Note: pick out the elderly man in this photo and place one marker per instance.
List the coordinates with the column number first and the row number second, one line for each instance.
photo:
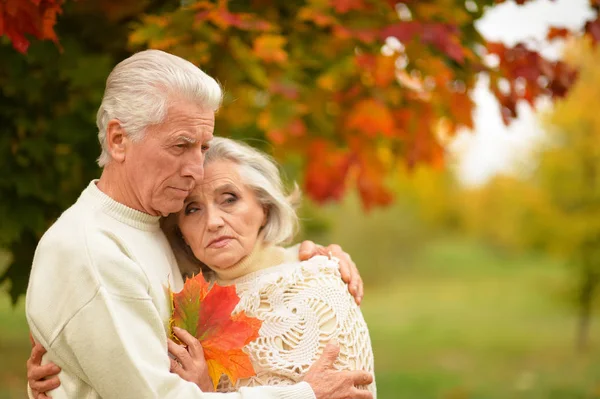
column 96, row 298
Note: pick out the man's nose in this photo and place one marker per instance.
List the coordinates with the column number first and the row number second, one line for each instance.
column 194, row 168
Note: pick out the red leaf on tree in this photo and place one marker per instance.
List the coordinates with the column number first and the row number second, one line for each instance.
column 371, row 118
column 442, row 36
column 28, row 17
column 557, row 33
column 327, row 171
column 207, row 315
column 592, row 28
column 344, row 6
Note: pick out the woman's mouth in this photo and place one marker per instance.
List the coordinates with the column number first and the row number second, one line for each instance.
column 220, row 242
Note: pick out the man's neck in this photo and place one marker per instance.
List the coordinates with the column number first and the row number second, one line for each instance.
column 114, row 184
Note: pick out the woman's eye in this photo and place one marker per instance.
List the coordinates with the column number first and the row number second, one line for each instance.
column 230, row 199
column 191, row 209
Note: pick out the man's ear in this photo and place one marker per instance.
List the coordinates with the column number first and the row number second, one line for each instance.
column 117, row 140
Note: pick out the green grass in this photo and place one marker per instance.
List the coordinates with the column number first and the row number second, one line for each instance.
column 461, row 322
column 467, row 323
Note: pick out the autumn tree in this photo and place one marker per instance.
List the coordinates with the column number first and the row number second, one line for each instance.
column 344, row 92
column 569, row 174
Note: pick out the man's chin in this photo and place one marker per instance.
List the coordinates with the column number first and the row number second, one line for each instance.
column 173, row 206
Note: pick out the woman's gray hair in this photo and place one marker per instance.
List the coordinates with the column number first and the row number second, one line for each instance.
column 139, row 88
column 259, row 173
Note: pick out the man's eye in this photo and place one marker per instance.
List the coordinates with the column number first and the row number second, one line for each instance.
column 182, row 145
column 205, row 148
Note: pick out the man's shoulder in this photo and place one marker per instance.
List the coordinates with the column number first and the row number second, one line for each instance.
column 79, row 228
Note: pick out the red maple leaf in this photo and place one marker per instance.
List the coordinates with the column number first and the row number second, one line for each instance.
column 28, row 17
column 207, row 315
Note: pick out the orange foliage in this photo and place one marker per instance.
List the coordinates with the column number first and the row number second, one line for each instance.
column 207, row 315
column 328, row 81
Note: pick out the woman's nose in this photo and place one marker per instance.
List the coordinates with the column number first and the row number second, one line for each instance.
column 215, row 221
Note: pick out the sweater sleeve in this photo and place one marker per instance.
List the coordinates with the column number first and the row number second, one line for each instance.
column 115, row 341
column 119, row 346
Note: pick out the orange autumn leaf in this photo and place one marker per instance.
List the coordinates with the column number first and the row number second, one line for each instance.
column 207, row 315
column 371, row 118
column 326, row 173
column 269, row 48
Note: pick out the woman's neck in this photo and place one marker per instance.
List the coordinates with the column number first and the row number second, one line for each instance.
column 262, row 257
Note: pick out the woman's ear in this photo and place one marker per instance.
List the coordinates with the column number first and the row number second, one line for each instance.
column 265, row 216
column 116, row 140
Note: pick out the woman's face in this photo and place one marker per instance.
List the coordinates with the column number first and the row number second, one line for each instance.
column 221, row 218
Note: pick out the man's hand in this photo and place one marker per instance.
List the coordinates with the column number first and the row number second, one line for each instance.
column 41, row 379
column 348, row 269
column 189, row 362
column 328, row 383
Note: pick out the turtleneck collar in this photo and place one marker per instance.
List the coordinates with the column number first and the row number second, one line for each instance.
column 262, row 257
column 118, row 211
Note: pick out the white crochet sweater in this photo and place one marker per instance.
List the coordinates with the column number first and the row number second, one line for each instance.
column 303, row 305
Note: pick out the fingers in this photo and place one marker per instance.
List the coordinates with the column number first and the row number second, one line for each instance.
column 349, row 272
column 356, row 284
column 361, row 291
column 180, row 353
column 307, row 250
column 31, row 339
column 361, row 394
column 175, row 367
column 36, row 354
column 44, row 385
column 193, row 345
column 35, row 373
column 345, row 261
column 330, row 355
column 361, row 377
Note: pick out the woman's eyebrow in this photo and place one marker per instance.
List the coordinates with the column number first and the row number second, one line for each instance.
column 190, row 198
column 227, row 187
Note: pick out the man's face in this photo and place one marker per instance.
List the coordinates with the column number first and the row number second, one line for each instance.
column 167, row 163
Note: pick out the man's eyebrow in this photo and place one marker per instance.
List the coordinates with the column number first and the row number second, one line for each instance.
column 187, row 138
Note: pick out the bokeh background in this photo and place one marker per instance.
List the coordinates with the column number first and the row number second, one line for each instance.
column 482, row 272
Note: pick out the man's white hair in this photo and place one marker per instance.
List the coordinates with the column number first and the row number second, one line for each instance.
column 139, row 88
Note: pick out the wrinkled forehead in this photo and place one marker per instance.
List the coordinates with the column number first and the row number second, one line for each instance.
column 219, row 176
column 190, row 119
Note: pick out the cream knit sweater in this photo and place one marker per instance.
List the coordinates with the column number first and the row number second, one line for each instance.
column 303, row 305
column 97, row 302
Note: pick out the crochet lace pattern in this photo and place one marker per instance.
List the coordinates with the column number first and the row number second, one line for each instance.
column 303, row 305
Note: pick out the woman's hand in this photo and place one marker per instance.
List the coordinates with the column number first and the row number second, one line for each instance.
column 41, row 379
column 329, row 383
column 189, row 362
column 348, row 269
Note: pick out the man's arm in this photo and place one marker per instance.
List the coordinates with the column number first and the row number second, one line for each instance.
column 348, row 269
column 116, row 341
column 118, row 345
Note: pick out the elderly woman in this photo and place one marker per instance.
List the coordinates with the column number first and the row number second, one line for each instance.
column 231, row 228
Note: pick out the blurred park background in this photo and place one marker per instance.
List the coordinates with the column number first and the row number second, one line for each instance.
column 451, row 147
